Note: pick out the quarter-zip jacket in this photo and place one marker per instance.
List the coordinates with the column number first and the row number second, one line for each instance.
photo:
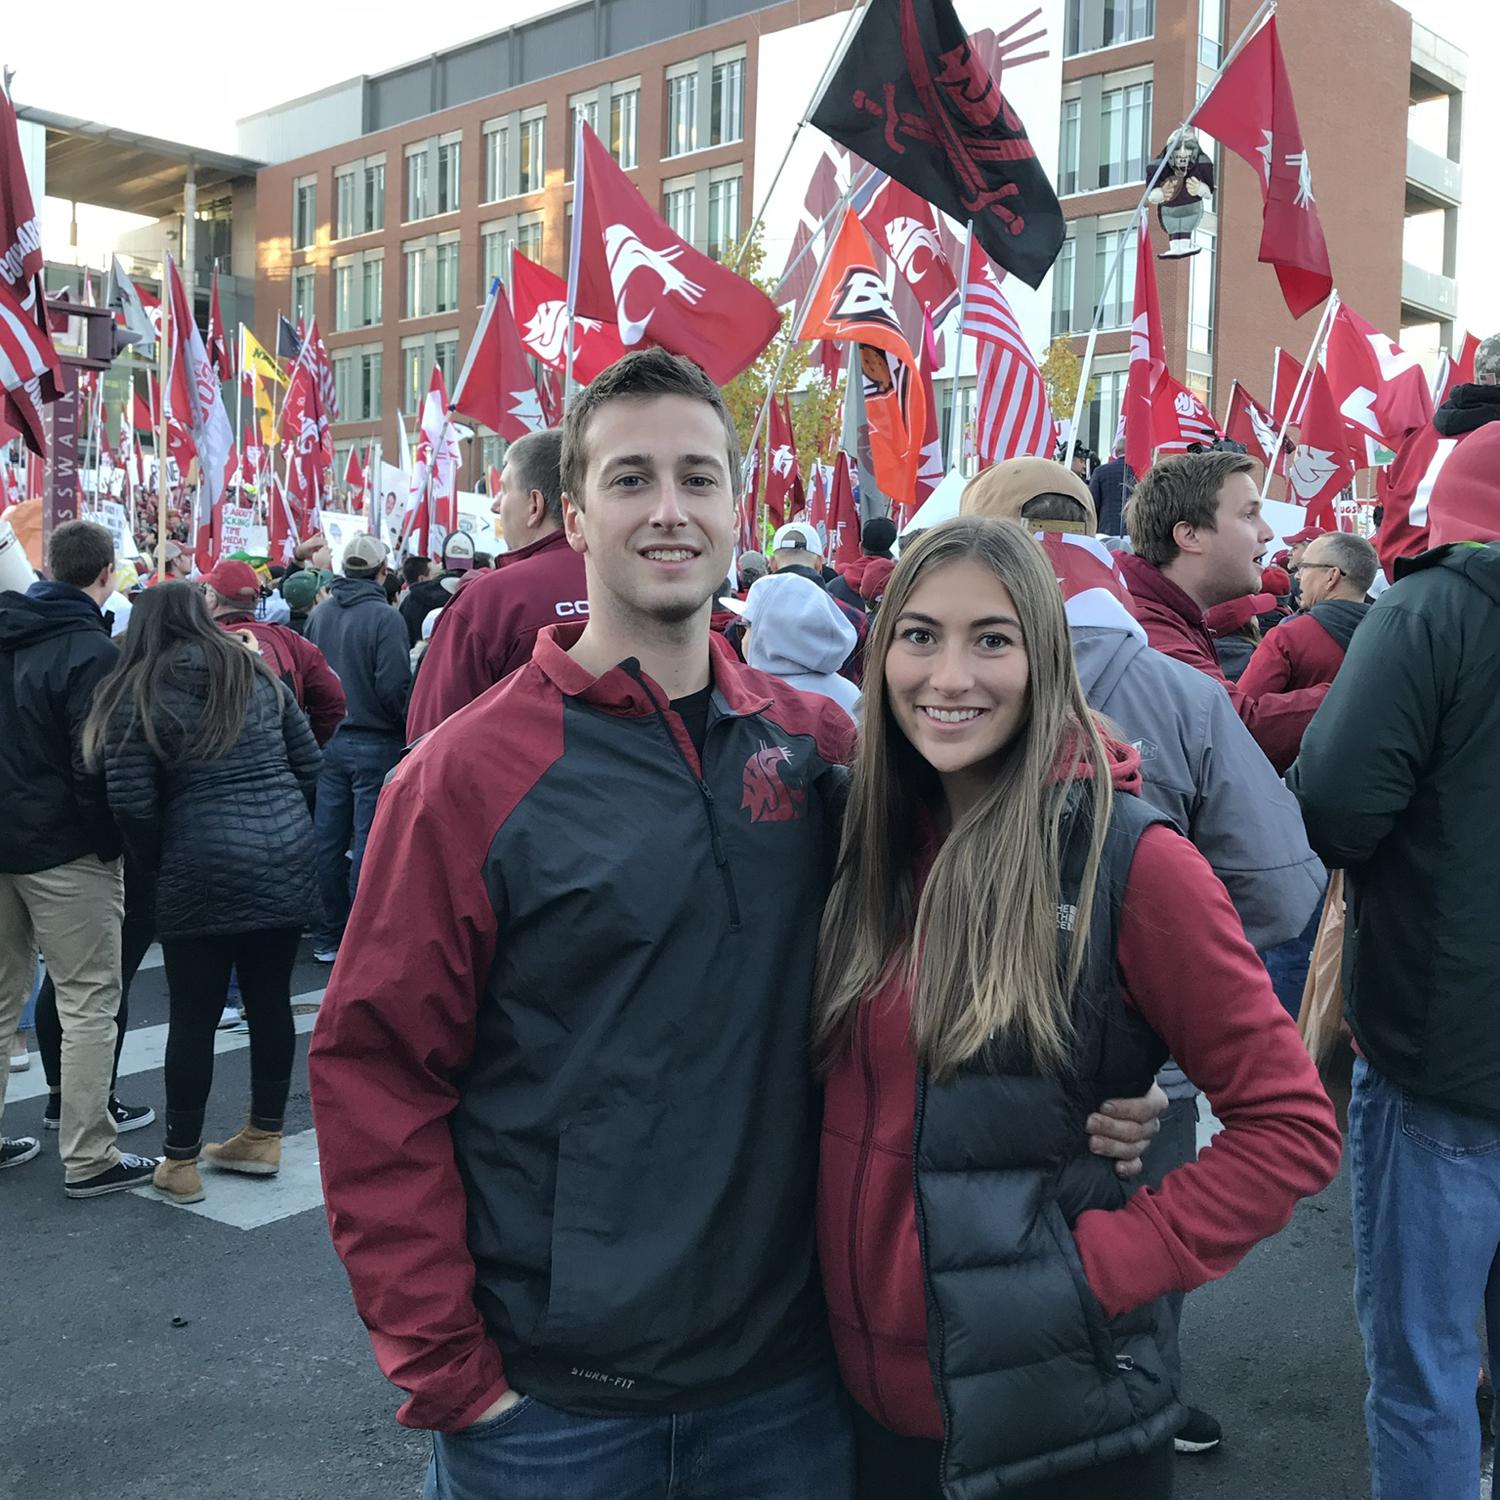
column 1305, row 650
column 567, row 1128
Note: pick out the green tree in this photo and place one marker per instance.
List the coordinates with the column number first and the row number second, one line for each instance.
column 1062, row 370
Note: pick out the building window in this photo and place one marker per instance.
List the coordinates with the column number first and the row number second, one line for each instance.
column 1091, row 24
column 1115, row 309
column 726, row 121
column 445, row 356
column 416, row 379
column 682, row 114
column 370, row 364
column 1201, row 296
column 305, row 213
column 1063, row 271
column 373, row 291
column 448, row 169
column 496, row 147
column 1070, row 148
column 1210, row 32
column 533, row 167
column 1103, row 419
column 624, row 127
column 1201, row 385
column 416, row 184
column 303, row 285
column 491, row 452
column 415, row 257
column 374, row 197
column 447, row 277
column 529, row 237
column 1125, row 135
column 343, row 370
column 494, row 259
column 343, row 199
column 586, row 110
column 678, row 203
column 723, row 215
column 343, row 301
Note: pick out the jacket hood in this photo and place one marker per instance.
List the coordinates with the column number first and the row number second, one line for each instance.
column 1478, row 562
column 1340, row 618
column 45, row 610
column 1467, row 408
column 1465, row 503
column 796, row 627
column 349, row 592
column 1124, row 764
column 868, row 576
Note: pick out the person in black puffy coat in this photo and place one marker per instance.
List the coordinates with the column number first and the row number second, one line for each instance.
column 208, row 761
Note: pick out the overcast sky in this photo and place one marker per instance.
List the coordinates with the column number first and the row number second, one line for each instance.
column 177, row 81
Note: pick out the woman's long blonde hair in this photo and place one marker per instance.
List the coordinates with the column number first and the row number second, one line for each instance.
column 979, row 949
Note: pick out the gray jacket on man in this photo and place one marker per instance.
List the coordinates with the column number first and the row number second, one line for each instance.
column 1201, row 767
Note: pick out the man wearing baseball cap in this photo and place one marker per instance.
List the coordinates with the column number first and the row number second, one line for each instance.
column 796, row 548
column 366, row 644
column 233, row 591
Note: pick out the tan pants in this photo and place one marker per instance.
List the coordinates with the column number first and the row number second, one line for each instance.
column 73, row 914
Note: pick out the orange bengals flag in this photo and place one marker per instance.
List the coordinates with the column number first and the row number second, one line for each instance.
column 851, row 304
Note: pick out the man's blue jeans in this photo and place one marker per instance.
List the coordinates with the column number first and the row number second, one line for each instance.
column 355, row 765
column 1426, row 1187
column 788, row 1443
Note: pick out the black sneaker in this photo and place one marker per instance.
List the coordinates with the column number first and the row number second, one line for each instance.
column 22, row 1148
column 1199, row 1434
column 130, row 1116
column 52, row 1115
column 128, row 1172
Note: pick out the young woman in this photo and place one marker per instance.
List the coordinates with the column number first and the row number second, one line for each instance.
column 207, row 761
column 1012, row 938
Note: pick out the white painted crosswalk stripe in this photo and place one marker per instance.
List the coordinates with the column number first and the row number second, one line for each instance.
column 252, row 1202
column 145, row 1051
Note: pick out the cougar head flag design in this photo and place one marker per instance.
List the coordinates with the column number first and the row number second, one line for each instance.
column 907, row 239
column 526, row 408
column 781, row 460
column 768, row 798
column 627, row 254
column 547, row 330
column 1309, row 470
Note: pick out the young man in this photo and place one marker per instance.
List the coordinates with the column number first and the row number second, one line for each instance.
column 1399, row 785
column 365, row 643
column 492, row 624
column 1336, row 572
column 60, row 887
column 1198, row 535
column 567, row 1130
column 1110, row 486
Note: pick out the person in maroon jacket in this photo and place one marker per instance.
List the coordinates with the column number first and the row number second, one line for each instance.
column 1336, row 572
column 491, row 626
column 1014, row 934
column 567, row 1130
column 1198, row 535
column 232, row 591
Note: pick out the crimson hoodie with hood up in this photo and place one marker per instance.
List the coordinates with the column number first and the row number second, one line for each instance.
column 1280, row 1141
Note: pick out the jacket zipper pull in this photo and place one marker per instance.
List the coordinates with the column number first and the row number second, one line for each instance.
column 1125, row 1363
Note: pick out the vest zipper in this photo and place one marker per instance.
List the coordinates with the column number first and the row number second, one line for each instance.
column 934, row 1311
column 710, row 807
column 862, row 1041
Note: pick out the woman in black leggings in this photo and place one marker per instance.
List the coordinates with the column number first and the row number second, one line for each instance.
column 208, row 761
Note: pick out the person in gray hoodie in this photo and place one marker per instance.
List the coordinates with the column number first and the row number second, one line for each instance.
column 365, row 642
column 1199, row 764
column 797, row 632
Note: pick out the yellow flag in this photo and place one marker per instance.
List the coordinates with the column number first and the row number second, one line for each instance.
column 258, row 360
column 266, row 410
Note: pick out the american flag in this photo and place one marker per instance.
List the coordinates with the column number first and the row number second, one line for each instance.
column 1012, row 415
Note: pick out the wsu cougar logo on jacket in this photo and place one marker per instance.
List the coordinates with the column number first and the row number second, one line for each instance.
column 768, row 797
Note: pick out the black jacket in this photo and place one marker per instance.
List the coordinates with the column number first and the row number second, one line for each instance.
column 1399, row 781
column 422, row 598
column 1002, row 1174
column 1111, row 485
column 229, row 839
column 365, row 643
column 54, row 651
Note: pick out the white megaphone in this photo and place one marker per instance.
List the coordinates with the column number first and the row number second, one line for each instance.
column 16, row 571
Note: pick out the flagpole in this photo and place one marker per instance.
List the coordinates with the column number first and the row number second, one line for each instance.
column 834, row 59
column 958, row 344
column 1266, row 8
column 1325, row 323
column 579, row 171
column 239, row 402
column 163, row 375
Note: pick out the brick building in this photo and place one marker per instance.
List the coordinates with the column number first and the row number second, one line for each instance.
column 394, row 198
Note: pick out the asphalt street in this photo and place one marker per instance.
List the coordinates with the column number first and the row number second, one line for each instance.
column 149, row 1353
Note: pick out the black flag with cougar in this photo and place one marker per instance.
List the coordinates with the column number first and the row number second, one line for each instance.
column 913, row 97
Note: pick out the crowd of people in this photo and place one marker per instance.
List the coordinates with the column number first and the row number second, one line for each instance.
column 770, row 1005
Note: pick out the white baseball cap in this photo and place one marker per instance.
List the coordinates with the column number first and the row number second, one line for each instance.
column 797, row 536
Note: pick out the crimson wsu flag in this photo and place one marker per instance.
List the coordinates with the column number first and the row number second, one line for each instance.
column 495, row 385
column 216, row 343
column 843, row 517
column 906, row 228
column 630, row 266
column 784, row 493
column 1459, row 371
column 539, row 301
column 1378, row 386
column 1250, row 110
column 1252, row 424
column 1179, row 419
column 1148, row 358
column 1323, row 461
column 913, row 97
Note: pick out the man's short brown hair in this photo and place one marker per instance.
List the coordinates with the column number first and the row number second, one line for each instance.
column 1184, row 489
column 641, row 374
column 79, row 551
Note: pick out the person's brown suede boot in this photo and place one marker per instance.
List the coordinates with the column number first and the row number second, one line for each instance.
column 178, row 1181
column 257, row 1153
